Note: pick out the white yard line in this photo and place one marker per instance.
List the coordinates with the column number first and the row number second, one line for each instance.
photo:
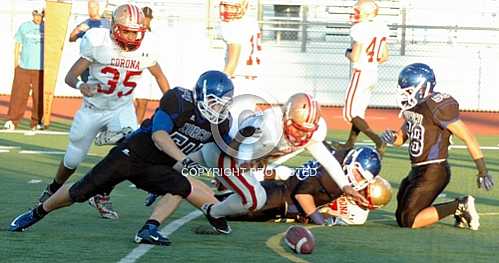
column 167, row 230
column 40, row 152
column 29, row 132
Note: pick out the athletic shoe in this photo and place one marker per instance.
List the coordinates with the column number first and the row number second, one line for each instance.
column 150, row 199
column 45, row 195
column 38, row 127
column 467, row 212
column 9, row 125
column 150, row 234
column 23, row 221
column 112, row 137
column 219, row 224
column 458, row 222
column 104, row 206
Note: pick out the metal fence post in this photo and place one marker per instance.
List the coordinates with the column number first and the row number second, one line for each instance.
column 304, row 37
column 402, row 37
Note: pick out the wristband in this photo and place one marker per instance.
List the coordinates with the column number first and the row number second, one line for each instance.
column 78, row 84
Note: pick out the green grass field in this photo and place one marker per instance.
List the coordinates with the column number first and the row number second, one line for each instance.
column 78, row 234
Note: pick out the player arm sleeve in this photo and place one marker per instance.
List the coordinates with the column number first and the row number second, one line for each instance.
column 330, row 164
column 162, row 122
column 446, row 113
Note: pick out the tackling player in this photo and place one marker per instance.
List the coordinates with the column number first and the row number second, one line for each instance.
column 368, row 49
column 116, row 59
column 309, row 193
column 153, row 155
column 430, row 119
column 301, row 128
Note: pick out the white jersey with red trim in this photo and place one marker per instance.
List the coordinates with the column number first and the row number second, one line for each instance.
column 246, row 33
column 115, row 71
column 371, row 34
column 345, row 212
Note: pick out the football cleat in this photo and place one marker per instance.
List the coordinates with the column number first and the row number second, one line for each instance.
column 150, row 234
column 219, row 224
column 150, row 199
column 112, row 137
column 45, row 195
column 459, row 223
column 23, row 221
column 467, row 213
column 104, row 206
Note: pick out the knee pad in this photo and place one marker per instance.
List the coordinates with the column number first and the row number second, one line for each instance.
column 74, row 156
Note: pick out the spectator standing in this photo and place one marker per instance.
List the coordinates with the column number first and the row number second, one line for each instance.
column 28, row 74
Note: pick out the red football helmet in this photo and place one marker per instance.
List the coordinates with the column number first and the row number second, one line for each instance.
column 301, row 118
column 364, row 10
column 128, row 27
column 232, row 9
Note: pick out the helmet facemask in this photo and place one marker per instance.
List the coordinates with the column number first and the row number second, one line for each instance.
column 356, row 174
column 232, row 10
column 298, row 135
column 411, row 96
column 213, row 108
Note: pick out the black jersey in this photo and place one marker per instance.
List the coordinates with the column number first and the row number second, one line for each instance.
column 426, row 127
column 189, row 130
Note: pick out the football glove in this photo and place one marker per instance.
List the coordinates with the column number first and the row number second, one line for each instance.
column 389, row 136
column 484, row 179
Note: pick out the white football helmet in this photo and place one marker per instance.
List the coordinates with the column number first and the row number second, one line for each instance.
column 364, row 10
column 301, row 118
column 232, row 9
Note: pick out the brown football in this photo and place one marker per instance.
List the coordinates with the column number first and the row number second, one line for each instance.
column 300, row 240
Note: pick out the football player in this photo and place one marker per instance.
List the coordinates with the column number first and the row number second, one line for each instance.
column 310, row 195
column 153, row 156
column 242, row 37
column 116, row 59
column 267, row 136
column 430, row 118
column 368, row 49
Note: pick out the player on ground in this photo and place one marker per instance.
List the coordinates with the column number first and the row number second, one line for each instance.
column 116, row 59
column 430, row 119
column 153, row 155
column 309, row 192
column 301, row 128
column 368, row 49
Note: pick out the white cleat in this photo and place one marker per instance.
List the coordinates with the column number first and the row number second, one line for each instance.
column 467, row 213
column 112, row 137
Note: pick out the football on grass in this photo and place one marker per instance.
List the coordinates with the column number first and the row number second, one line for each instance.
column 300, row 240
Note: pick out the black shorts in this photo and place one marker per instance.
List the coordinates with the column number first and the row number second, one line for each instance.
column 419, row 190
column 119, row 165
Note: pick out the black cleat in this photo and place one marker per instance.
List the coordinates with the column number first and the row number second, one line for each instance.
column 219, row 224
column 46, row 194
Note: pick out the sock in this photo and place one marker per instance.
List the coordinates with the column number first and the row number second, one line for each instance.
column 446, row 209
column 232, row 205
column 54, row 186
column 39, row 212
column 152, row 222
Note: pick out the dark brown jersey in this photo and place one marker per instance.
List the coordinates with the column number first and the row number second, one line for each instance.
column 426, row 127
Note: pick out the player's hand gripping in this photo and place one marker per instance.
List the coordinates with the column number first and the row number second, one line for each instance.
column 355, row 196
column 88, row 90
column 389, row 136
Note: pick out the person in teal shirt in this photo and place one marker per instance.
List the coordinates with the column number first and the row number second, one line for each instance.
column 28, row 75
